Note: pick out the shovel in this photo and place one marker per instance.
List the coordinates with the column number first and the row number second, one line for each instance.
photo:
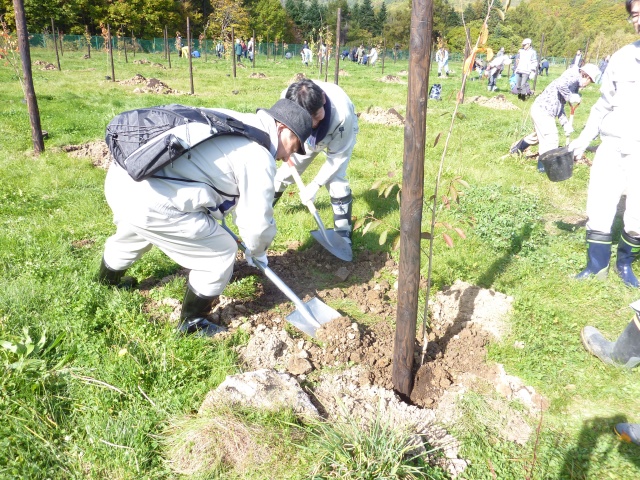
column 308, row 316
column 329, row 239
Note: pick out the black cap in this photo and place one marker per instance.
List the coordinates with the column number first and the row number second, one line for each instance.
column 296, row 119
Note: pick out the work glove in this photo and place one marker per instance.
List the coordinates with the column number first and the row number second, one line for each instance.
column 568, row 129
column 308, row 193
column 575, row 99
column 250, row 257
column 578, row 147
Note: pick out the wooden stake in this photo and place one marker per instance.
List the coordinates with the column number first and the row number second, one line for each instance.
column 335, row 77
column 233, row 50
column 412, row 195
column 60, row 40
column 189, row 53
column 253, row 60
column 55, row 42
column 29, row 91
column 86, row 29
column 124, row 43
column 384, row 51
column 113, row 71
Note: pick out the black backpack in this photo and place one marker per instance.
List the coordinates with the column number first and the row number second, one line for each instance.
column 142, row 141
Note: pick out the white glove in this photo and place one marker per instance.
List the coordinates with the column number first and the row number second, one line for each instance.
column 568, row 129
column 575, row 99
column 308, row 193
column 250, row 257
column 578, row 147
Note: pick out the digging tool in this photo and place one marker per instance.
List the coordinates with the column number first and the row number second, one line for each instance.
column 329, row 239
column 573, row 110
column 308, row 316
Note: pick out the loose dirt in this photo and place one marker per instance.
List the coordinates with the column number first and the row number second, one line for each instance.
column 499, row 102
column 257, row 75
column 392, row 79
column 381, row 116
column 97, row 152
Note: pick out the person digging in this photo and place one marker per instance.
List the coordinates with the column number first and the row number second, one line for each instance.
column 623, row 353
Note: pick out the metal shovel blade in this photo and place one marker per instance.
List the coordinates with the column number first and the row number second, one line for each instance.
column 320, row 312
column 337, row 246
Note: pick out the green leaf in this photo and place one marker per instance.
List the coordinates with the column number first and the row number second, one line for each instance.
column 383, row 237
column 388, row 190
column 462, row 182
column 396, row 243
column 500, row 12
column 9, row 346
column 376, row 184
column 358, row 224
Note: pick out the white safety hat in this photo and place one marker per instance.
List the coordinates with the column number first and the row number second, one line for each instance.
column 526, row 41
column 591, row 70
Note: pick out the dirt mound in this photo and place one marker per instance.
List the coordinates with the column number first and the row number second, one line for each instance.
column 297, row 77
column 142, row 61
column 40, row 62
column 343, row 73
column 136, row 80
column 403, row 73
column 391, row 79
column 257, row 75
column 382, row 116
column 45, row 65
column 154, row 85
column 97, row 151
column 499, row 102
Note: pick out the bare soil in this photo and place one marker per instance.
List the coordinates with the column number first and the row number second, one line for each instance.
column 499, row 102
column 381, row 116
column 392, row 79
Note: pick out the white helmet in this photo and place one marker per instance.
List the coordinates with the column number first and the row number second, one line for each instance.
column 591, row 70
column 526, row 41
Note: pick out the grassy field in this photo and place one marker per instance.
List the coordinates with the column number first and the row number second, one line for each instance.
column 89, row 384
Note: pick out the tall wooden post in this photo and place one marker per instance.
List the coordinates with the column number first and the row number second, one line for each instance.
column 412, row 195
column 233, row 50
column 189, row 53
column 535, row 80
column 29, row 91
column 335, row 77
column 61, row 44
column 320, row 56
column 267, row 46
column 86, row 33
column 113, row 71
column 124, row 44
column 255, row 51
column 55, row 41
column 384, row 52
column 166, row 42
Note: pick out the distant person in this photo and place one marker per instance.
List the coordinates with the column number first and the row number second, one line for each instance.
column 373, row 56
column 577, row 60
column 238, row 50
column 360, row 53
column 604, row 63
column 250, row 49
column 305, row 53
column 442, row 58
column 185, row 51
column 526, row 66
column 544, row 67
column 354, row 54
column 494, row 69
column 219, row 49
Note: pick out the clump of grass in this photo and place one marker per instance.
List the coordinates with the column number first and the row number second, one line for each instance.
column 349, row 450
column 242, row 289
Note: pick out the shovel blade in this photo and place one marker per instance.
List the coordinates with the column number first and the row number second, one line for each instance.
column 338, row 246
column 321, row 312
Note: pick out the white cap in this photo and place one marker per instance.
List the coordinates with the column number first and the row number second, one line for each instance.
column 526, row 41
column 591, row 70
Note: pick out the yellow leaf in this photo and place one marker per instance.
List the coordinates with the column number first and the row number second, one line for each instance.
column 489, row 54
column 366, row 228
column 388, row 190
column 484, row 34
column 468, row 64
column 383, row 237
column 376, row 184
column 460, row 232
column 462, row 182
column 358, row 224
column 447, row 239
column 500, row 12
column 396, row 243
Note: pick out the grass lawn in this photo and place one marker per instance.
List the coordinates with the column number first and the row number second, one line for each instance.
column 95, row 379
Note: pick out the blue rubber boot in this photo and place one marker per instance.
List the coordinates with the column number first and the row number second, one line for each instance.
column 540, row 167
column 628, row 432
column 624, row 352
column 519, row 147
column 628, row 250
column 598, row 255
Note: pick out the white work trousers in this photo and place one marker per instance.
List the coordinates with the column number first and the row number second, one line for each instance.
column 614, row 174
column 546, row 130
column 193, row 240
column 338, row 185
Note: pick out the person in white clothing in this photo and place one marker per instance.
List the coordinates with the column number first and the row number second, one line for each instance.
column 526, row 66
column 335, row 128
column 616, row 166
column 373, row 56
column 177, row 209
column 442, row 57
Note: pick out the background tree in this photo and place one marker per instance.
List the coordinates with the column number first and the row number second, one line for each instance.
column 270, row 17
column 226, row 14
column 367, row 20
column 381, row 19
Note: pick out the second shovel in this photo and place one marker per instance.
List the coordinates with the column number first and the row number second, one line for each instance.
column 334, row 243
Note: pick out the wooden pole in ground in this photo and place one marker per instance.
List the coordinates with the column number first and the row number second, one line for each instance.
column 165, row 45
column 113, row 71
column 61, row 44
column 233, row 50
column 267, row 47
column 384, row 50
column 326, row 66
column 535, row 80
column 189, row 53
column 29, row 91
column 320, row 56
column 55, row 42
column 412, row 195
column 253, row 50
column 335, row 77
column 86, row 34
column 124, row 43
column 168, row 47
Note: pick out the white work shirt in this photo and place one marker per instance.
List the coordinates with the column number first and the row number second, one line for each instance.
column 527, row 61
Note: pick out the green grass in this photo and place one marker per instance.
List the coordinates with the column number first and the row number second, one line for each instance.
column 95, row 400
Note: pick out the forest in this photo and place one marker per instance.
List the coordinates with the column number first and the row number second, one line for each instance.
column 597, row 26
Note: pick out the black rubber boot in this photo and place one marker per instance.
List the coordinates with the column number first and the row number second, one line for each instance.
column 193, row 318
column 342, row 223
column 115, row 277
column 628, row 249
column 519, row 147
column 598, row 255
column 277, row 197
column 624, row 352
